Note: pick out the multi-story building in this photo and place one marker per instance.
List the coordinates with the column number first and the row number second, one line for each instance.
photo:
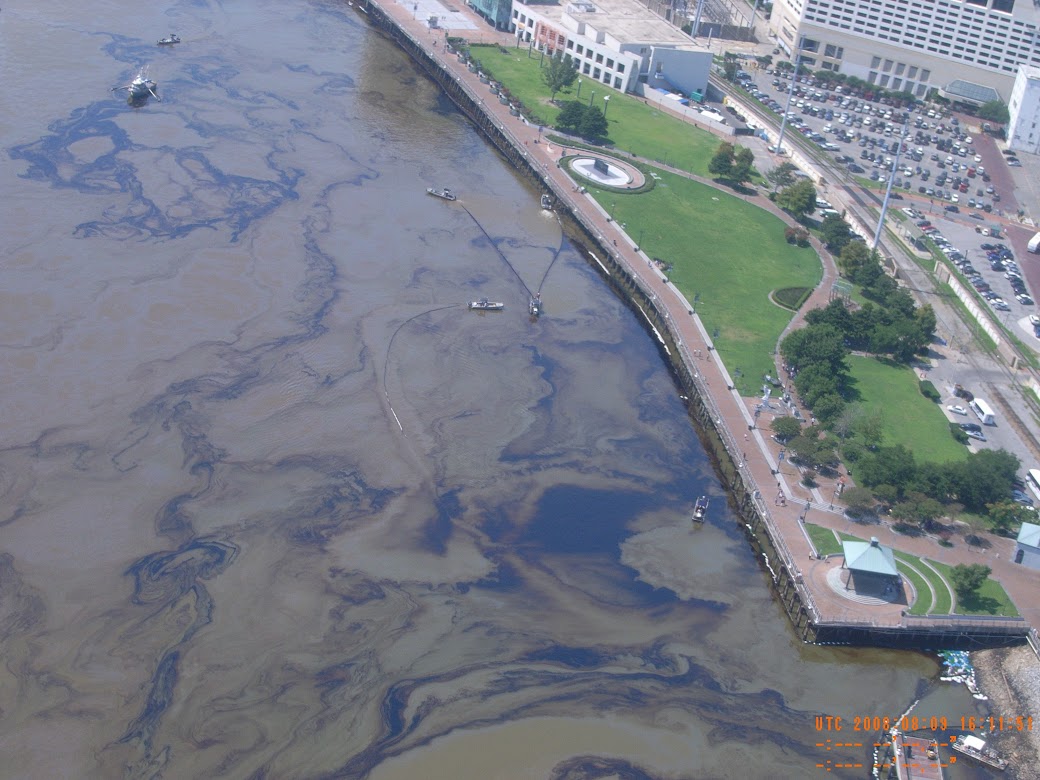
column 618, row 43
column 1023, row 132
column 914, row 45
column 495, row 11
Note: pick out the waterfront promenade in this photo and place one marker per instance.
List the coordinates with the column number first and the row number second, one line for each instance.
column 749, row 445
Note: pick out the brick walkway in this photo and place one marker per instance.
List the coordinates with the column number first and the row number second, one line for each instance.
column 735, row 412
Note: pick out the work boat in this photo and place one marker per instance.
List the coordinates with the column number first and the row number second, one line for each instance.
column 444, row 193
column 700, row 509
column 485, row 305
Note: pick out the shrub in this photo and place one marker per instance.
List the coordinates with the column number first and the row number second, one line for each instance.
column 958, row 435
column 928, row 391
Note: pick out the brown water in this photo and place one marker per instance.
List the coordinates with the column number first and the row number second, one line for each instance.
column 273, row 503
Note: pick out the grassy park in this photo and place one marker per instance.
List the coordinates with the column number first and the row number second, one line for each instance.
column 990, row 599
column 634, row 126
column 909, row 418
column 726, row 255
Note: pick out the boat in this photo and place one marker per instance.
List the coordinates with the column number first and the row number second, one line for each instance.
column 535, row 306
column 169, row 40
column 973, row 747
column 547, row 202
column 139, row 90
column 912, row 758
column 441, row 193
column 700, row 509
column 485, row 305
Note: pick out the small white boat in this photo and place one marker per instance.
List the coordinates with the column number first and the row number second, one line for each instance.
column 700, row 509
column 444, row 193
column 485, row 305
column 169, row 40
column 547, row 203
column 535, row 306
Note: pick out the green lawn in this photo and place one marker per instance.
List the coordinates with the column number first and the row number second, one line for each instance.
column 923, row 603
column 823, row 539
column 991, row 598
column 943, row 597
column 729, row 254
column 634, row 126
column 909, row 418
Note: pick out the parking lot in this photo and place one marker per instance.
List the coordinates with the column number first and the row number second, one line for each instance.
column 989, row 264
column 941, row 163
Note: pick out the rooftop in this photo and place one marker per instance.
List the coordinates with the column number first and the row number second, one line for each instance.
column 966, row 91
column 1029, row 535
column 626, row 20
column 870, row 557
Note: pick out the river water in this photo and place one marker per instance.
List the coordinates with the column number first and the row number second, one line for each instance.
column 273, row 503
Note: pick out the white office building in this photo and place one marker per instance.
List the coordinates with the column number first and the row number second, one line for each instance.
column 913, row 45
column 1023, row 130
column 620, row 44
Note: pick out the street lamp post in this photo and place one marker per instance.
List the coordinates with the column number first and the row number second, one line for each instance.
column 592, row 97
column 606, row 102
column 612, row 207
column 576, row 97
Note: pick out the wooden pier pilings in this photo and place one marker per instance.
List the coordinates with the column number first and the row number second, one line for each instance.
column 720, row 444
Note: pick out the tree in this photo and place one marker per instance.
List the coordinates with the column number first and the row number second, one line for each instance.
column 858, row 500
column 559, row 72
column 786, row 428
column 721, row 163
column 782, row 175
column 743, row 165
column 1007, row 514
column 888, row 466
column 968, row 578
column 845, row 422
column 871, row 428
column 570, row 115
column 994, row 111
column 984, row 478
column 593, row 124
column 828, row 407
column 918, row 508
column 815, row 344
column 852, row 258
column 799, row 199
column 835, row 233
column 729, row 69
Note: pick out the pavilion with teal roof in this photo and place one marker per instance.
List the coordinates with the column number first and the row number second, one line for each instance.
column 871, row 566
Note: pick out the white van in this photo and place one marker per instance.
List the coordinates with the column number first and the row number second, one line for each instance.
column 983, row 411
column 1034, row 244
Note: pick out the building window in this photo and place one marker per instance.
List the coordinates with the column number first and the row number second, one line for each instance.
column 888, row 66
column 872, row 78
column 896, row 84
column 925, row 74
column 599, row 59
column 617, row 83
column 900, row 68
column 621, row 67
column 610, row 63
column 884, row 81
column 580, row 49
column 595, row 73
column 912, row 73
column 875, row 62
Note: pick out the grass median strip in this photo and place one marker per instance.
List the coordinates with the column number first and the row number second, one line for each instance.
column 990, row 599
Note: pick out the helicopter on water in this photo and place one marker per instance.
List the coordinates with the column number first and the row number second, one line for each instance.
column 139, row 90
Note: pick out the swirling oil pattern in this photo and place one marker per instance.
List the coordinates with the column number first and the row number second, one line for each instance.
column 275, row 504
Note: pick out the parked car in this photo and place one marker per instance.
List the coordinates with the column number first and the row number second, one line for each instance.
column 957, row 409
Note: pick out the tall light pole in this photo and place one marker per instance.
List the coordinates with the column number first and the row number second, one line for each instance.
column 606, row 102
column 576, row 97
column 891, row 179
column 591, row 97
